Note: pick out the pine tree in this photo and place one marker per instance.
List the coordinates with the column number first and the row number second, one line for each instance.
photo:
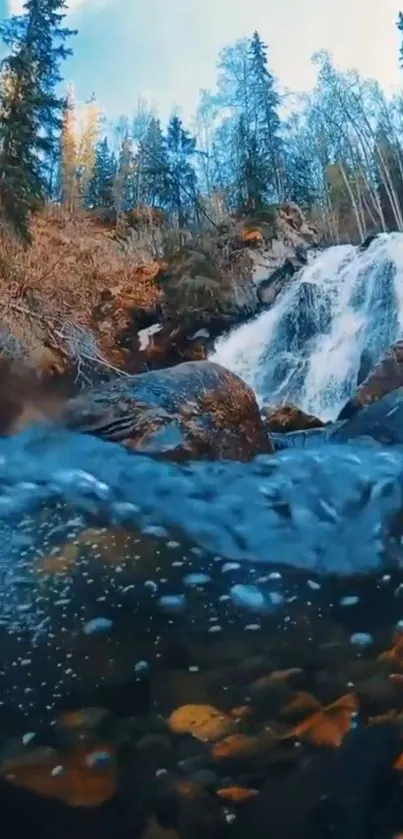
column 68, row 174
column 100, row 189
column 264, row 104
column 31, row 110
column 153, row 167
column 182, row 176
column 252, row 184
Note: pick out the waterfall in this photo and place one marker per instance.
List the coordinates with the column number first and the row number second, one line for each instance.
column 306, row 348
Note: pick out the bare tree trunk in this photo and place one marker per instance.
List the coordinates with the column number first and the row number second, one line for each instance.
column 351, row 195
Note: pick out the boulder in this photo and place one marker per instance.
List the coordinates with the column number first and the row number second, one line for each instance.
column 385, row 377
column 288, row 418
column 196, row 409
column 382, row 421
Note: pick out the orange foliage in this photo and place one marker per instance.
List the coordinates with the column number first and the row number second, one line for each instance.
column 203, row 721
column 73, row 778
column 235, row 745
column 328, row 726
column 395, row 654
column 63, row 277
column 251, row 237
column 236, row 795
column 302, row 703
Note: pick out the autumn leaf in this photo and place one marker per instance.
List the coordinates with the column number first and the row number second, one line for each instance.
column 203, row 721
column 236, row 795
column 328, row 726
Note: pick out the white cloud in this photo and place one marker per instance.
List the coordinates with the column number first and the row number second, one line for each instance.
column 15, row 7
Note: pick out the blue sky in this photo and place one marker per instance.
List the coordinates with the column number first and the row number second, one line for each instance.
column 166, row 50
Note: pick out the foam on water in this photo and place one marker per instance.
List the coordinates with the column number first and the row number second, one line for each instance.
column 306, row 349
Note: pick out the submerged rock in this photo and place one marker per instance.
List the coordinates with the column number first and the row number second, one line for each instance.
column 197, row 409
column 385, row 377
column 288, row 418
column 382, row 421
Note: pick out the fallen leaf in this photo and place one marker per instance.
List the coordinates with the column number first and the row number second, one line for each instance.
column 244, row 745
column 202, row 721
column 77, row 778
column 303, row 703
column 236, row 795
column 328, row 726
column 395, row 654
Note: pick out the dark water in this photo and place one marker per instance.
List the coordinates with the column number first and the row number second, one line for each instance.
column 200, row 547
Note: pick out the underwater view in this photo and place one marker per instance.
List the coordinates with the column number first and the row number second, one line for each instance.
column 201, row 421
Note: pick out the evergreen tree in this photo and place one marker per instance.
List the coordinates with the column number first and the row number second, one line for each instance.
column 100, row 190
column 31, row 112
column 182, row 176
column 68, row 173
column 264, row 104
column 252, row 184
column 153, row 167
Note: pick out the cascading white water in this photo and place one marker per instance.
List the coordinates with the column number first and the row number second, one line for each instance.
column 306, row 349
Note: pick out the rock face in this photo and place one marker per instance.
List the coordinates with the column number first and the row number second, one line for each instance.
column 382, row 421
column 196, row 409
column 288, row 418
column 385, row 377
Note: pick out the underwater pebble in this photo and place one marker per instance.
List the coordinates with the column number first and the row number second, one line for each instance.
column 312, row 585
column 252, row 627
column 97, row 625
column 172, row 602
column 249, row 597
column 361, row 639
column 399, row 625
column 230, row 566
column 349, row 601
column 28, row 737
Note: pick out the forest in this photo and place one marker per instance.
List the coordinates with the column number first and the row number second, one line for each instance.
column 337, row 151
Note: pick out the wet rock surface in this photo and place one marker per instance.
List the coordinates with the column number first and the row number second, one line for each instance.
column 288, row 418
column 381, row 421
column 385, row 377
column 196, row 409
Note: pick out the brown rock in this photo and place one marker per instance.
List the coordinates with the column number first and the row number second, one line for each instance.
column 385, row 377
column 289, row 418
column 197, row 409
column 26, row 396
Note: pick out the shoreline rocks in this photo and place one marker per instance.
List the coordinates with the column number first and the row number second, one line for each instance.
column 195, row 409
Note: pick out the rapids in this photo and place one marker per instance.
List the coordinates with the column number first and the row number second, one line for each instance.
column 306, row 349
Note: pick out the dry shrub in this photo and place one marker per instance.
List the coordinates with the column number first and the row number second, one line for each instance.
column 61, row 280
